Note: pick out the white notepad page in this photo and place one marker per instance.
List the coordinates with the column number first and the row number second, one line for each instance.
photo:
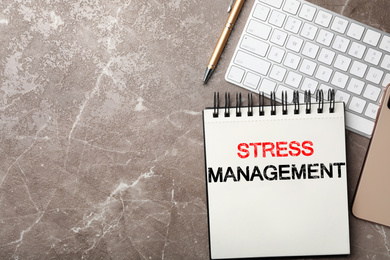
column 279, row 211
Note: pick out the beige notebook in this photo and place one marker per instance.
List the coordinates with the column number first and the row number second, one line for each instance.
column 372, row 199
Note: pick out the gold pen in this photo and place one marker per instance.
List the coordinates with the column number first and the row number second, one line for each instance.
column 234, row 12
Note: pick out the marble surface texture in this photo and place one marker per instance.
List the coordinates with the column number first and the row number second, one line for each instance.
column 101, row 139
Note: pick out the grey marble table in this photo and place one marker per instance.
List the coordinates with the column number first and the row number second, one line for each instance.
column 101, row 142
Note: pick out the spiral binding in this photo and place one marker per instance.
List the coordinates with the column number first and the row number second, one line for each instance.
column 227, row 104
column 296, row 102
column 307, row 101
column 261, row 104
column 216, row 104
column 238, row 105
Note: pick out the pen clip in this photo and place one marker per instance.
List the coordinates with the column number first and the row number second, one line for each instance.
column 230, row 6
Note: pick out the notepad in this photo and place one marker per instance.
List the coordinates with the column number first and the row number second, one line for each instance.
column 276, row 179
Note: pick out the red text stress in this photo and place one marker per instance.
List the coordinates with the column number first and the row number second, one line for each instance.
column 275, row 149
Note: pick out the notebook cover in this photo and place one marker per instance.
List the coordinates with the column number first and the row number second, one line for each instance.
column 276, row 185
column 371, row 200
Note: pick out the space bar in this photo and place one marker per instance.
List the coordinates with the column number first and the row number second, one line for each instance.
column 252, row 62
column 358, row 123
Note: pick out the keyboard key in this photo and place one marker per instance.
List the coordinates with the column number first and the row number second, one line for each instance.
column 342, row 62
column 236, row 74
column 252, row 80
column 358, row 123
column 276, row 54
column 274, row 3
column 339, row 80
column 253, row 45
column 291, row 6
column 293, row 79
column 278, row 37
column 372, row 92
column 323, row 18
column 342, row 96
column 372, row 110
column 374, row 75
column 372, row 37
column 355, row 31
column 267, row 86
column 309, row 31
column 307, row 12
column 386, row 80
column 253, row 63
column 261, row 12
column 386, row 62
column 358, row 69
column 324, row 37
column 373, row 56
column 293, row 25
column 277, row 73
column 357, row 50
column 294, row 43
column 308, row 67
column 357, row 104
column 309, row 85
column 339, row 25
column 341, row 44
column 355, row 86
column 385, row 43
column 259, row 29
column 277, row 18
column 310, row 50
column 326, row 56
column 323, row 73
column 292, row 61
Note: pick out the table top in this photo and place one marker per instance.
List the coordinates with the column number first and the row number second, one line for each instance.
column 101, row 138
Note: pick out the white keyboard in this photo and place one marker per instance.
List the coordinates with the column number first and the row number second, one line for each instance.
column 292, row 45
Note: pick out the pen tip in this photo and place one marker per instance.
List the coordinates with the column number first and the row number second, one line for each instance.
column 207, row 75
